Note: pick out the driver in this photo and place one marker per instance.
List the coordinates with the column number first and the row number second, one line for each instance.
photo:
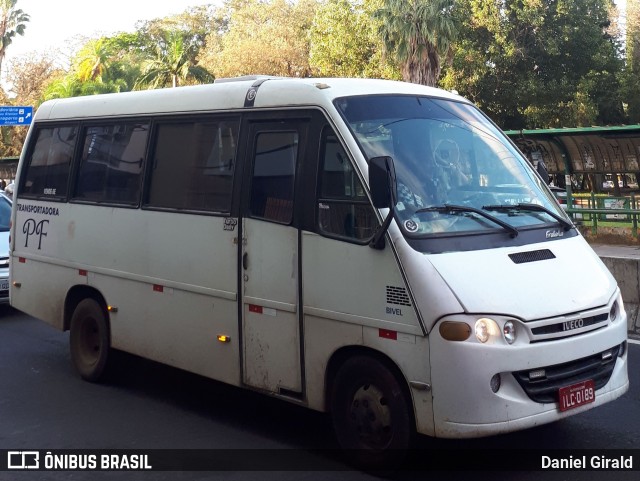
column 426, row 178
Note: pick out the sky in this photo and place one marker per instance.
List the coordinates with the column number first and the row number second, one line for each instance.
column 54, row 23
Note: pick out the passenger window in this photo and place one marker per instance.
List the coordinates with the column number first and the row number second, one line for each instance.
column 111, row 163
column 274, row 176
column 47, row 174
column 343, row 207
column 192, row 166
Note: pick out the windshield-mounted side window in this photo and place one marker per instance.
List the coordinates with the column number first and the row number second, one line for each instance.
column 343, row 208
column 47, row 173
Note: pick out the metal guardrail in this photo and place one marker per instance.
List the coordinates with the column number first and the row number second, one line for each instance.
column 594, row 214
column 633, row 213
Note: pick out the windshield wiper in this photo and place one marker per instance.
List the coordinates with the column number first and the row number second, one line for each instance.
column 530, row 207
column 456, row 209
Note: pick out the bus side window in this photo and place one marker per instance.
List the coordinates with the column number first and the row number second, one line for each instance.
column 274, row 176
column 192, row 167
column 343, row 207
column 47, row 173
column 111, row 163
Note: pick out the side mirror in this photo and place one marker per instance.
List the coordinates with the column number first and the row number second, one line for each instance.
column 384, row 193
column 382, row 182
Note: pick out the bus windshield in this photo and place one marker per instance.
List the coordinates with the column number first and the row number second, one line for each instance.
column 456, row 172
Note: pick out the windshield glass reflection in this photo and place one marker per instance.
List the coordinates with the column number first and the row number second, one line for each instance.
column 447, row 153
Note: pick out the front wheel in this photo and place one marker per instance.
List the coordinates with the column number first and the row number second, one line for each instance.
column 371, row 413
column 89, row 340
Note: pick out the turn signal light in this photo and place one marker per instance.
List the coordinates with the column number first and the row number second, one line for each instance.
column 455, row 331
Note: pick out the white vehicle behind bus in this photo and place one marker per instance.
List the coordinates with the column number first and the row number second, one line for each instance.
column 378, row 250
column 5, row 217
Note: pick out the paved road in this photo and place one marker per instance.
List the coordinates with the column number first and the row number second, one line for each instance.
column 44, row 405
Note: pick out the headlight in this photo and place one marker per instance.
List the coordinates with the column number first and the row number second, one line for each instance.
column 617, row 309
column 509, row 331
column 485, row 328
column 499, row 330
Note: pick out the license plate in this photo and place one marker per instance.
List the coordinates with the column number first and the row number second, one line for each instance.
column 577, row 394
column 4, row 285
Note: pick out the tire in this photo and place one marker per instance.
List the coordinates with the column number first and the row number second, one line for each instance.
column 372, row 416
column 89, row 340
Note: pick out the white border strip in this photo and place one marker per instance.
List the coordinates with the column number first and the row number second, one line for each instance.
column 633, row 341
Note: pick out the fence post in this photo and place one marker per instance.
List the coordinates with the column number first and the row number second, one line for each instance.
column 594, row 217
column 634, row 216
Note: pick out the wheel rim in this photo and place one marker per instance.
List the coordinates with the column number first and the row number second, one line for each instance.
column 371, row 415
column 89, row 341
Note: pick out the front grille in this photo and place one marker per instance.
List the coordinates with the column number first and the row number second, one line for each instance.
column 545, row 390
column 560, row 327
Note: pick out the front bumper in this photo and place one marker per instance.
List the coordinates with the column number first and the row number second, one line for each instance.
column 465, row 405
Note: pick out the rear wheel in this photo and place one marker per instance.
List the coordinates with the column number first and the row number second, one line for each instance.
column 371, row 413
column 89, row 340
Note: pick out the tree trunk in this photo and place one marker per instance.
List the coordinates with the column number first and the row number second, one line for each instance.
column 423, row 67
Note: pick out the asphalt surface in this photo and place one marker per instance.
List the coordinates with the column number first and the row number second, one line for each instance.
column 148, row 406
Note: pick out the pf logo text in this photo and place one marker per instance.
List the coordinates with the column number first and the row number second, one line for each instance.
column 32, row 228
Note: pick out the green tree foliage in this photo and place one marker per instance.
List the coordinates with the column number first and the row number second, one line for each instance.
column 63, row 87
column 173, row 62
column 93, row 60
column 538, row 63
column 418, row 34
column 103, row 65
column 171, row 48
column 162, row 52
column 631, row 79
column 344, row 41
column 12, row 23
column 197, row 23
column 527, row 63
column 263, row 37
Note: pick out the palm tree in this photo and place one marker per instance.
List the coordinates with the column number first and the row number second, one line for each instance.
column 173, row 62
column 12, row 22
column 93, row 60
column 63, row 88
column 418, row 33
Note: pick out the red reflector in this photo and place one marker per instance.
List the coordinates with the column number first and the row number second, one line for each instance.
column 158, row 288
column 22, row 260
column 388, row 334
column 82, row 272
column 254, row 308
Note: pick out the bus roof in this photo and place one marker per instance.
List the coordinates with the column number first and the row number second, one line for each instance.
column 228, row 94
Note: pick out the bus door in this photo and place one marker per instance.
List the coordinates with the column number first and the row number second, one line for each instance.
column 270, row 259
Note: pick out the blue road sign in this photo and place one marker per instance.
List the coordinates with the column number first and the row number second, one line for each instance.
column 16, row 115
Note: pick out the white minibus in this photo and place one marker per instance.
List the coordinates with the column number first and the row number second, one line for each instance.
column 373, row 249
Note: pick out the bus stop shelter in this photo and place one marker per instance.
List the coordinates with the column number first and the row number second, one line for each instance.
column 594, row 159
